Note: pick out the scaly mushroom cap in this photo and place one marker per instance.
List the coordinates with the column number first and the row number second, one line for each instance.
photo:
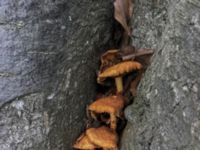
column 110, row 104
column 84, row 143
column 119, row 70
column 103, row 137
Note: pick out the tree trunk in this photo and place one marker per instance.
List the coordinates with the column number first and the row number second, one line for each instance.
column 166, row 113
column 48, row 64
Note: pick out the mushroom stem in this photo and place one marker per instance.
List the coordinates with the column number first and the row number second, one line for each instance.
column 113, row 121
column 119, row 84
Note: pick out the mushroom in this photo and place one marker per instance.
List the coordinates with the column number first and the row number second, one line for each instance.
column 84, row 143
column 117, row 71
column 112, row 105
column 103, row 137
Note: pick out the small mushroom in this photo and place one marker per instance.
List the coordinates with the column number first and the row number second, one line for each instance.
column 112, row 105
column 117, row 71
column 103, row 137
column 84, row 143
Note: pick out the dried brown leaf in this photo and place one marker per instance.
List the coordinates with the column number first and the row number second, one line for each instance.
column 138, row 53
column 127, row 50
column 123, row 13
column 109, row 58
column 143, row 56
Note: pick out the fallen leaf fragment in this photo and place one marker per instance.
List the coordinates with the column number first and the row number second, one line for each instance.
column 123, row 13
column 144, row 59
column 110, row 58
column 139, row 53
column 127, row 50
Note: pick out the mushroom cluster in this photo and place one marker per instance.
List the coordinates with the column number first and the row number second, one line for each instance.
column 105, row 136
column 115, row 64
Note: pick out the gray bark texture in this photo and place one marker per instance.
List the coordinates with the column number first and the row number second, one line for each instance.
column 48, row 64
column 166, row 113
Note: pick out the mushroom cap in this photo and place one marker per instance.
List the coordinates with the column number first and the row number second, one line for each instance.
column 119, row 69
column 103, row 137
column 110, row 104
column 84, row 143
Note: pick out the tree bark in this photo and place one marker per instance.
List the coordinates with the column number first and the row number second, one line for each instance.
column 48, row 64
column 166, row 113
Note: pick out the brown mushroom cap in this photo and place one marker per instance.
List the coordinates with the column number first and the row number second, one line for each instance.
column 110, row 104
column 84, row 143
column 119, row 69
column 103, row 136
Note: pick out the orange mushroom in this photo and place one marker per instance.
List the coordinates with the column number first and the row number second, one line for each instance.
column 103, row 137
column 84, row 143
column 117, row 71
column 112, row 105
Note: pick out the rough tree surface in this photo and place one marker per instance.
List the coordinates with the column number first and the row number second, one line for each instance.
column 48, row 64
column 166, row 113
